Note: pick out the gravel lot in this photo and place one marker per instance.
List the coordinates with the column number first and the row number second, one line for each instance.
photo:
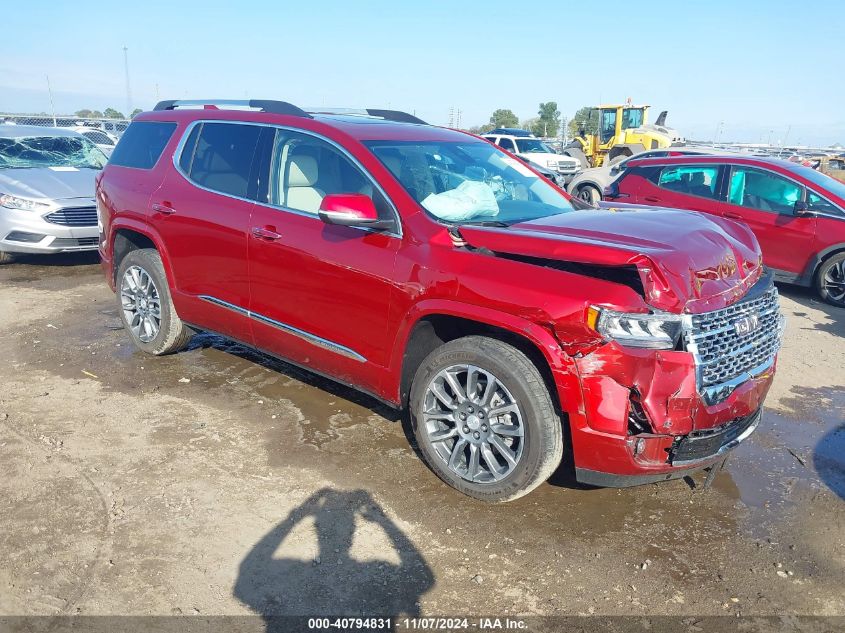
column 217, row 481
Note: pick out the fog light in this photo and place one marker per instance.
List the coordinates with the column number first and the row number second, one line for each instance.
column 639, row 447
column 22, row 236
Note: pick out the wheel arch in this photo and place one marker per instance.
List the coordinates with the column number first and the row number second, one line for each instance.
column 428, row 327
column 809, row 276
column 588, row 183
column 127, row 237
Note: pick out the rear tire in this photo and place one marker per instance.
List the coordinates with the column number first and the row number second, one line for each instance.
column 145, row 305
column 830, row 280
column 499, row 437
column 6, row 258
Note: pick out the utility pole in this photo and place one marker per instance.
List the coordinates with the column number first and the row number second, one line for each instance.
column 52, row 107
column 126, row 72
column 458, row 120
column 783, row 145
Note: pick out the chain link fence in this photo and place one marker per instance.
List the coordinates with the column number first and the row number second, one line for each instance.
column 115, row 127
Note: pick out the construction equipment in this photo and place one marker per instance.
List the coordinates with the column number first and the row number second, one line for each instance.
column 614, row 132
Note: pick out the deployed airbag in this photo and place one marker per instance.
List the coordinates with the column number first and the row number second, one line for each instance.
column 468, row 200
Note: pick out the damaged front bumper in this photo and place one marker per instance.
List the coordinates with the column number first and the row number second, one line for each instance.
column 652, row 415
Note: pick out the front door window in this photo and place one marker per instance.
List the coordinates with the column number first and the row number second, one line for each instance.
column 763, row 190
column 608, row 125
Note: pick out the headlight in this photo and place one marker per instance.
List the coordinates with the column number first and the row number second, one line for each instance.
column 22, row 204
column 551, row 164
column 652, row 331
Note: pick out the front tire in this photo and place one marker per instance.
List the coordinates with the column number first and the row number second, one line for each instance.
column 830, row 280
column 6, row 258
column 589, row 194
column 145, row 305
column 484, row 419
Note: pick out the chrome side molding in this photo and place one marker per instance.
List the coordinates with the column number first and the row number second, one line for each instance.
column 337, row 348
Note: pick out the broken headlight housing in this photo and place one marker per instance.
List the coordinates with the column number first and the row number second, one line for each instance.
column 650, row 331
column 22, row 204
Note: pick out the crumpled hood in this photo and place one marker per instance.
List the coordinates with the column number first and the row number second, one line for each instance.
column 44, row 182
column 688, row 262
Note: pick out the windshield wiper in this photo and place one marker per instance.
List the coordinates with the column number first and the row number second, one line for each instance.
column 484, row 223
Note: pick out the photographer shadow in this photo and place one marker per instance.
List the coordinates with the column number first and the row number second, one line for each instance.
column 333, row 583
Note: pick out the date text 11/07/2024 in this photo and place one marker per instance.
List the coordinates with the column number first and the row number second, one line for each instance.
column 419, row 624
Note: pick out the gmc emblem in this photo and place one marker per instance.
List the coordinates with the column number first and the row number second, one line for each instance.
column 746, row 325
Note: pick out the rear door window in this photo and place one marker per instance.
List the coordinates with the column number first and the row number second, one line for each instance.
column 763, row 190
column 141, row 145
column 693, row 180
column 223, row 156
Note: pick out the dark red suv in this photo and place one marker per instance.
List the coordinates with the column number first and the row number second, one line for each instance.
column 434, row 271
column 797, row 213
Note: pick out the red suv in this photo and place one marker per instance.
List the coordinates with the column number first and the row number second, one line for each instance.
column 434, row 271
column 797, row 213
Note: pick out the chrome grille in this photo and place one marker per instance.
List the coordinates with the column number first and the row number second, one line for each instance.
column 725, row 345
column 564, row 165
column 74, row 216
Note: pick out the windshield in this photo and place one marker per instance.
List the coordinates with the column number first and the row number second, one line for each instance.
column 532, row 146
column 469, row 182
column 28, row 152
column 836, row 187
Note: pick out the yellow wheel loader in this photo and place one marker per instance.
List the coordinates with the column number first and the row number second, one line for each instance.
column 614, row 132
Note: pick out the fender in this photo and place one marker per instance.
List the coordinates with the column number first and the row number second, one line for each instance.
column 564, row 370
column 808, row 276
column 145, row 229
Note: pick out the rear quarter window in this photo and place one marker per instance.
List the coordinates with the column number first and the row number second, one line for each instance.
column 141, row 145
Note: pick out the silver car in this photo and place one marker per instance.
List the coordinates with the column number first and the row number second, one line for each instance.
column 47, row 190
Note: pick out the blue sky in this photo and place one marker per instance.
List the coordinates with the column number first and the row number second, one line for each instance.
column 759, row 66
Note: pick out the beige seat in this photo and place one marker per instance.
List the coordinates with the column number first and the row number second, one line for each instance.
column 301, row 194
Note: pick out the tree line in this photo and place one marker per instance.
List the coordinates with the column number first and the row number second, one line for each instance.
column 547, row 122
column 108, row 113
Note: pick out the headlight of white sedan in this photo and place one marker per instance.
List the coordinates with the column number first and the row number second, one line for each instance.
column 22, row 204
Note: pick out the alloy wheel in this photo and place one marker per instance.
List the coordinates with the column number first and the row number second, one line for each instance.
column 834, row 282
column 141, row 303
column 473, row 423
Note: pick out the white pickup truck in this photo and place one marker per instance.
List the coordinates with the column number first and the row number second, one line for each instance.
column 534, row 150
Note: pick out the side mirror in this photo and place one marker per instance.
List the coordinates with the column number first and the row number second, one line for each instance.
column 352, row 209
column 801, row 208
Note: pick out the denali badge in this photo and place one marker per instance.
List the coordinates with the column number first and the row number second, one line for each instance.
column 746, row 325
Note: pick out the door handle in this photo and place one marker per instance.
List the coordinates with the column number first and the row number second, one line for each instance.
column 163, row 208
column 265, row 233
column 651, row 199
column 731, row 215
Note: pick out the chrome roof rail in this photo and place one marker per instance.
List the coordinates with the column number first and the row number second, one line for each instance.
column 264, row 105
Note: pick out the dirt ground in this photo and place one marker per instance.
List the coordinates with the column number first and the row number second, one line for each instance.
column 217, row 481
